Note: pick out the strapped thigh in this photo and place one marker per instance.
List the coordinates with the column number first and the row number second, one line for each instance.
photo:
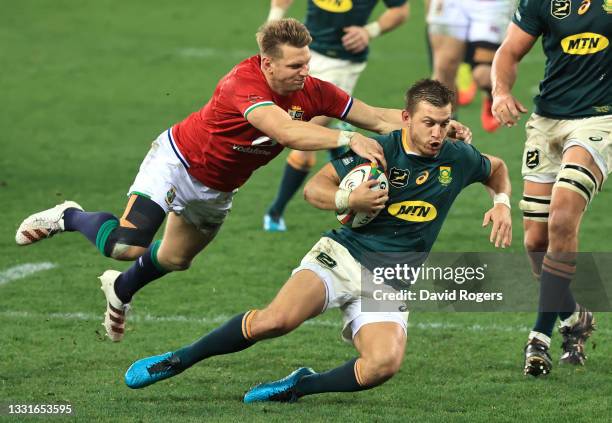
column 579, row 179
column 535, row 207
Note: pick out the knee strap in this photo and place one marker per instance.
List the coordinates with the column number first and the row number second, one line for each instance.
column 139, row 223
column 535, row 207
column 579, row 179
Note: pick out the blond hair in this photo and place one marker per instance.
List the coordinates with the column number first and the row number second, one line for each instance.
column 273, row 34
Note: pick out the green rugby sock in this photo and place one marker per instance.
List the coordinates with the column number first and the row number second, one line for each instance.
column 555, row 296
column 145, row 269
column 226, row 339
column 340, row 379
column 95, row 226
column 291, row 182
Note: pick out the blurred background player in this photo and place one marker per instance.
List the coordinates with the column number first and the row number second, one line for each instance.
column 341, row 37
column 567, row 155
column 465, row 86
column 456, row 25
column 329, row 276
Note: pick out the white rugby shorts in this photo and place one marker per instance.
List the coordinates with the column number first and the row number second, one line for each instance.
column 163, row 178
column 342, row 280
column 470, row 20
column 548, row 139
column 342, row 73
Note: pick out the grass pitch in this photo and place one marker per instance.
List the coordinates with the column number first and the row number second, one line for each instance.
column 86, row 87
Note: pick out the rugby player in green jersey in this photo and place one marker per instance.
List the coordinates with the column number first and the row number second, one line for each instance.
column 567, row 155
column 423, row 167
column 341, row 38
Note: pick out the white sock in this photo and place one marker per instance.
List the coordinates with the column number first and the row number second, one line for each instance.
column 572, row 320
column 540, row 337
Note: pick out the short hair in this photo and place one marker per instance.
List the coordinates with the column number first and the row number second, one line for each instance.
column 273, row 34
column 431, row 91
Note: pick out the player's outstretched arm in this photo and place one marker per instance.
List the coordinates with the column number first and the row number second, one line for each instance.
column 375, row 119
column 499, row 187
column 306, row 136
column 517, row 43
column 322, row 192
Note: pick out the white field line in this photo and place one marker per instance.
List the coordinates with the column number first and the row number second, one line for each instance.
column 23, row 270
column 210, row 320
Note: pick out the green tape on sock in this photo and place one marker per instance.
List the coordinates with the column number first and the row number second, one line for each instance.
column 154, row 248
column 103, row 233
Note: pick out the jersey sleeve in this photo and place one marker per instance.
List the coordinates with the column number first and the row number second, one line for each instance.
column 331, row 100
column 394, row 3
column 477, row 167
column 527, row 17
column 248, row 93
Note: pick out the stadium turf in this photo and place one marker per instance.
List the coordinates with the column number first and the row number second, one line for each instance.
column 86, row 86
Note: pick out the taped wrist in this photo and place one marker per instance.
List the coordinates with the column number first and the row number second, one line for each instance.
column 373, row 29
column 342, row 199
column 502, row 198
column 345, row 138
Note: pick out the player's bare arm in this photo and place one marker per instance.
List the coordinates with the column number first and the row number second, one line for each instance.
column 298, row 135
column 357, row 38
column 375, row 119
column 384, row 121
column 499, row 187
column 505, row 107
column 321, row 189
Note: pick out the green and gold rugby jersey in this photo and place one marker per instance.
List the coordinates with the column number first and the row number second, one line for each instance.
column 576, row 40
column 325, row 19
column 421, row 192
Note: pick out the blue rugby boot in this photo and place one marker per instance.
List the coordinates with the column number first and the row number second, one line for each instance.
column 150, row 370
column 281, row 390
column 272, row 225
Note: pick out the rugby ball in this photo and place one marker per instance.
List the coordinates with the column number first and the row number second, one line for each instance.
column 352, row 180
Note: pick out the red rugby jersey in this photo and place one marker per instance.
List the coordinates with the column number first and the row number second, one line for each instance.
column 219, row 146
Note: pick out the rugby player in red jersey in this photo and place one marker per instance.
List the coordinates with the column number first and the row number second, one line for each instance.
column 194, row 168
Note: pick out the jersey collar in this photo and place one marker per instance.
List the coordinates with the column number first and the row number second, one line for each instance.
column 409, row 152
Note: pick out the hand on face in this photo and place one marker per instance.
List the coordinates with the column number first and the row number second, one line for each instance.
column 459, row 132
